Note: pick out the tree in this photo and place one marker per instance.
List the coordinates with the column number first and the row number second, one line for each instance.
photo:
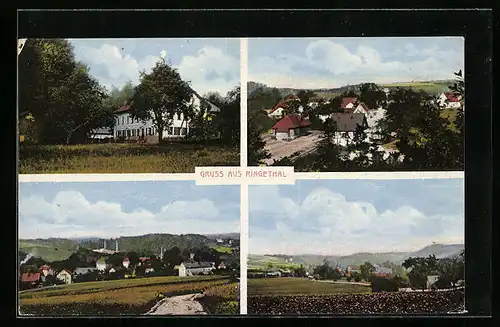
column 202, row 126
column 327, row 156
column 419, row 268
column 367, row 270
column 118, row 97
column 256, row 147
column 227, row 121
column 356, row 276
column 372, row 95
column 300, row 271
column 160, row 95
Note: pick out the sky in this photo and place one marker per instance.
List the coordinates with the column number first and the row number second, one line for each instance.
column 341, row 217
column 114, row 209
column 211, row 65
column 310, row 63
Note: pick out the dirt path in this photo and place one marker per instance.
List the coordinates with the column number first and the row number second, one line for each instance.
column 179, row 305
column 280, row 149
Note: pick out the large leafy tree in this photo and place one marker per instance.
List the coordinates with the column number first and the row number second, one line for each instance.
column 419, row 268
column 227, row 121
column 367, row 270
column 64, row 100
column 372, row 95
column 256, row 146
column 160, row 95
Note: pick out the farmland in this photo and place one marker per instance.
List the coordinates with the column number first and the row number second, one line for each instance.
column 299, row 286
column 119, row 297
column 375, row 303
column 173, row 157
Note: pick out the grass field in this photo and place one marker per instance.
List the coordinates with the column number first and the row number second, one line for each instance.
column 222, row 249
column 299, row 286
column 429, row 87
column 174, row 157
column 134, row 296
column 265, row 262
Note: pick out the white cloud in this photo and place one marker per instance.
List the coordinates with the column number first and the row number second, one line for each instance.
column 327, row 223
column 70, row 214
column 211, row 69
column 327, row 64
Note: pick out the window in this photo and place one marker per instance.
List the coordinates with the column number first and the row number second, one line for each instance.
column 128, row 119
column 178, row 117
column 149, row 131
column 171, row 130
column 128, row 132
column 123, row 120
column 142, row 132
column 138, row 132
column 177, row 131
column 118, row 134
column 183, row 131
column 133, row 132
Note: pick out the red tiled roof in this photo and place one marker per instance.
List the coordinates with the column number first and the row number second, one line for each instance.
column 30, row 277
column 123, row 108
column 289, row 122
column 144, row 258
column 282, row 104
column 362, row 104
column 126, row 259
column 346, row 101
column 45, row 267
column 451, row 97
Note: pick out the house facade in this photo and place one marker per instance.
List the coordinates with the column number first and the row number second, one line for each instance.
column 134, row 129
column 290, row 127
column 65, row 276
column 278, row 111
column 348, row 103
column 46, row 270
column 30, row 279
column 126, row 262
column 448, row 100
column 102, row 264
column 195, row 268
column 347, row 125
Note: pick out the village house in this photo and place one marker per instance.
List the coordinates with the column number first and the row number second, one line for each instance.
column 30, row 279
column 46, row 270
column 222, row 265
column 195, row 268
column 126, row 262
column 290, row 127
column 448, row 100
column 348, row 103
column 102, row 264
column 279, row 110
column 143, row 260
column 347, row 125
column 134, row 129
column 382, row 271
column 65, row 276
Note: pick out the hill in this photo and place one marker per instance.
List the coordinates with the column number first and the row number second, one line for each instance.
column 53, row 249
column 439, row 250
column 432, row 87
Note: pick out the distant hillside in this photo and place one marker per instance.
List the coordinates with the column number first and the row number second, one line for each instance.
column 232, row 236
column 439, row 250
column 59, row 249
column 433, row 87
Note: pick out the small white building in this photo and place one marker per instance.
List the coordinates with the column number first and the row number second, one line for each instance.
column 46, row 270
column 65, row 276
column 195, row 268
column 126, row 262
column 448, row 100
column 431, row 280
column 102, row 264
column 129, row 128
column 277, row 112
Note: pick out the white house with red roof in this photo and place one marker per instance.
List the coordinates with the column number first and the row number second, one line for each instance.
column 290, row 127
column 65, row 276
column 126, row 262
column 46, row 270
column 278, row 111
column 348, row 103
column 129, row 128
column 448, row 100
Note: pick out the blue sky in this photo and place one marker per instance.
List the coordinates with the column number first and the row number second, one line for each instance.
column 349, row 216
column 111, row 209
column 334, row 62
column 209, row 64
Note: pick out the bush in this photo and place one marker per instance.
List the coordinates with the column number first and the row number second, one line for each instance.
column 228, row 308
column 380, row 284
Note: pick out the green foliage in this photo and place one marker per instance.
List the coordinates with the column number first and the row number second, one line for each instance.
column 65, row 101
column 380, row 284
column 256, row 151
column 228, row 308
column 160, row 95
column 372, row 95
column 367, row 271
column 419, row 268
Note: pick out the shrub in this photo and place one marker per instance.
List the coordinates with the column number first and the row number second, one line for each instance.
column 380, row 284
column 228, row 308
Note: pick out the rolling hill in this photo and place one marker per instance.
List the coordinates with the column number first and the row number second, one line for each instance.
column 439, row 250
column 433, row 87
column 53, row 249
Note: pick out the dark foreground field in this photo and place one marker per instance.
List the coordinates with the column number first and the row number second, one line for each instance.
column 173, row 157
column 375, row 303
column 128, row 297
